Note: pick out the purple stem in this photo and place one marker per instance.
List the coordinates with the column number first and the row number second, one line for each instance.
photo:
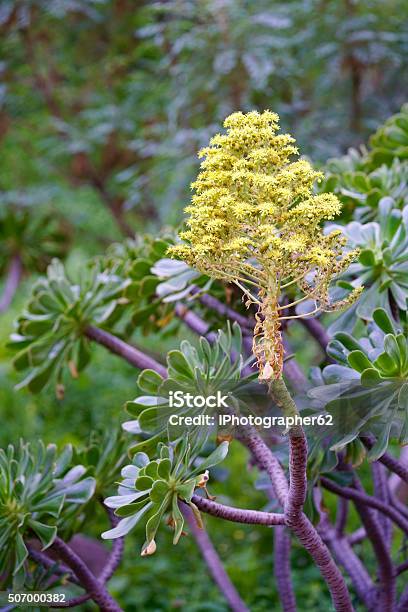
column 225, row 311
column 13, row 279
column 131, row 354
column 95, row 589
column 295, row 498
column 192, row 320
column 359, row 576
column 316, row 329
column 344, row 554
column 357, row 536
column 58, row 569
column 386, row 572
column 238, row 515
column 381, row 492
column 213, row 562
column 106, row 573
column 304, row 529
column 267, row 462
column 402, row 567
column 320, row 554
column 282, row 569
column 297, row 473
column 342, row 515
column 362, row 498
column 403, row 602
column 73, row 602
column 116, row 553
column 386, row 459
column 201, row 327
column 293, row 371
column 126, row 351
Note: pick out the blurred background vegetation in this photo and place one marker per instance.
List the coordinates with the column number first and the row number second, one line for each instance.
column 103, row 106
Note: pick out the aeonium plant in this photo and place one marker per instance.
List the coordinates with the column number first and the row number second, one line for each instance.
column 51, row 336
column 255, row 221
column 367, row 390
column 37, row 485
column 381, row 267
column 155, row 487
column 201, row 370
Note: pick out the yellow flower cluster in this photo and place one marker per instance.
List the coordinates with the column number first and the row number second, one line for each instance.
column 255, row 220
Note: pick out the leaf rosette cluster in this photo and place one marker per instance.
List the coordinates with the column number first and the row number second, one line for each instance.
column 50, row 333
column 382, row 264
column 37, row 489
column 198, row 371
column 154, row 488
column 367, row 390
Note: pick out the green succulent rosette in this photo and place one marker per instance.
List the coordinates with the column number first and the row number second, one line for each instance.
column 382, row 266
column 200, row 370
column 153, row 487
column 366, row 391
column 38, row 489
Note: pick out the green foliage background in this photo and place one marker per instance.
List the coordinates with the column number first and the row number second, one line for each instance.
column 103, row 107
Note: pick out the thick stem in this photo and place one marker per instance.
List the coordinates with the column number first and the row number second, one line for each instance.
column 71, row 603
column 95, row 589
column 238, row 515
column 213, row 562
column 13, row 279
column 320, row 554
column 344, row 554
column 293, row 506
column 130, row 353
column 281, row 568
column 107, row 572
